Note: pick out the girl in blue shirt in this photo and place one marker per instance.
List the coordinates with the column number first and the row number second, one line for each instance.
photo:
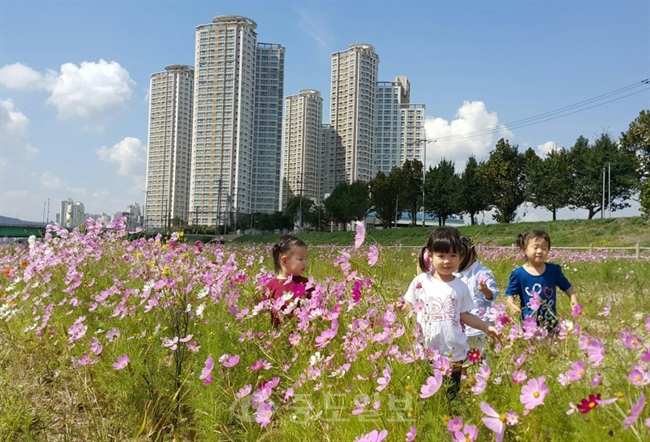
column 536, row 281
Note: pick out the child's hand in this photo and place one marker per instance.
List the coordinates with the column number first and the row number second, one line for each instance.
column 574, row 301
column 493, row 333
column 514, row 308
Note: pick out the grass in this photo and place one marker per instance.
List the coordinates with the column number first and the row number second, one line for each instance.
column 607, row 232
column 146, row 290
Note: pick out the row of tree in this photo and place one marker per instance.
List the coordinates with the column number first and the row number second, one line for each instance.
column 598, row 176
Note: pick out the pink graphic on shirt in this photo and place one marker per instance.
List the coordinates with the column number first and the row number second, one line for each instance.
column 437, row 310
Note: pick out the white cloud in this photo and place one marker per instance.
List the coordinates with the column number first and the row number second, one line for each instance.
column 91, row 90
column 21, row 77
column 545, row 148
column 473, row 132
column 31, row 151
column 129, row 154
column 13, row 123
column 51, row 182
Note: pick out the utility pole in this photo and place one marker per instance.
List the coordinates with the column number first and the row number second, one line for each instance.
column 609, row 188
column 602, row 207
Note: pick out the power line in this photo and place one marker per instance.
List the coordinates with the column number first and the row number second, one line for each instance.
column 558, row 113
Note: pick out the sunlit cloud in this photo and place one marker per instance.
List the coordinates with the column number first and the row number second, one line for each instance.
column 91, row 91
column 20, row 77
column 129, row 154
column 543, row 149
column 49, row 181
column 13, row 123
column 458, row 139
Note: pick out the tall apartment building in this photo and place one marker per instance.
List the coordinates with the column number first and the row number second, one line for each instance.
column 328, row 143
column 352, row 112
column 169, row 146
column 73, row 214
column 267, row 136
column 225, row 143
column 302, row 157
column 399, row 126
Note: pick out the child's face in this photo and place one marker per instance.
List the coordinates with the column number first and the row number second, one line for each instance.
column 295, row 262
column 536, row 251
column 445, row 264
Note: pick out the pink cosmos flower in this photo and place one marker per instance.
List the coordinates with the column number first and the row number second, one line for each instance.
column 360, row 406
column 360, row 235
column 432, row 386
column 596, row 351
column 294, row 338
column 535, row 301
column 455, row 424
column 261, row 364
column 647, row 323
column 577, row 311
column 469, row 433
column 373, row 436
column 95, row 346
column 635, row 412
column 533, row 393
column 577, row 371
column 244, row 391
column 229, row 361
column 263, row 414
column 206, row 373
column 563, row 379
column 494, row 421
column 325, row 338
column 373, row 255
column 383, row 382
column 519, row 376
column 638, row 377
column 512, row 418
column 632, row 342
column 122, row 362
column 606, row 310
column 596, row 380
column 411, row 435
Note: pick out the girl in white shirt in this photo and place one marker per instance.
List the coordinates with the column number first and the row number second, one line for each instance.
column 445, row 301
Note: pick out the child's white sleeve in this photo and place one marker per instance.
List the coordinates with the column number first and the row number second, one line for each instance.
column 410, row 295
column 492, row 285
column 466, row 302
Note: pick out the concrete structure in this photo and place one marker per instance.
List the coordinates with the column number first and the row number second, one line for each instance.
column 73, row 214
column 352, row 112
column 225, row 141
column 302, row 153
column 267, row 135
column 169, row 146
column 399, row 126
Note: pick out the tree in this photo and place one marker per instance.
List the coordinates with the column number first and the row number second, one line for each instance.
column 348, row 202
column 298, row 208
column 504, row 175
column 409, row 179
column 384, row 198
column 590, row 163
column 472, row 191
column 637, row 139
column 549, row 181
column 441, row 196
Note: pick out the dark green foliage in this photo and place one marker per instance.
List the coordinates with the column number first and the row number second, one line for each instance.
column 348, row 202
column 549, row 181
column 384, row 198
column 472, row 191
column 504, row 175
column 442, row 191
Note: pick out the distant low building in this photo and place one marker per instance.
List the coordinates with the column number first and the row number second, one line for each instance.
column 404, row 220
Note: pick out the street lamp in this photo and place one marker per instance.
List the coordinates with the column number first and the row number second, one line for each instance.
column 424, row 170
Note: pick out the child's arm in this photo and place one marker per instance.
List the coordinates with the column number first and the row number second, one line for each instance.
column 477, row 323
column 571, row 293
column 404, row 306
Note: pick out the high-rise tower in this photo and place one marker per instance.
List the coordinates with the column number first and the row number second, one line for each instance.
column 399, row 126
column 169, row 146
column 267, row 136
column 352, row 112
column 302, row 170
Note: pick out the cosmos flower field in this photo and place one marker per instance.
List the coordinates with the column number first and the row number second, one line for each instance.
column 106, row 336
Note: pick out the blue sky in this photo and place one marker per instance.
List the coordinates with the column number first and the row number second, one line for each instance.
column 74, row 79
